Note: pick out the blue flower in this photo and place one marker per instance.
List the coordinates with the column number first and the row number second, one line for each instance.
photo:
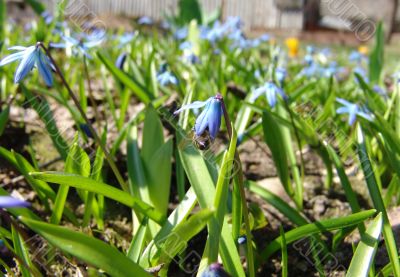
column 361, row 71
column 210, row 118
column 11, row 202
column 181, row 33
column 145, row 20
column 381, row 91
column 186, row 45
column 353, row 110
column 30, row 57
column 242, row 240
column 355, row 56
column 165, row 78
column 125, row 39
column 83, row 44
column 214, row 270
column 271, row 91
column 121, row 61
column 280, row 74
column 47, row 17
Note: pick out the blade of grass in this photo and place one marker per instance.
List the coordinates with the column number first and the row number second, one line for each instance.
column 284, row 262
column 377, row 200
column 316, row 227
column 366, row 249
column 86, row 248
column 88, row 184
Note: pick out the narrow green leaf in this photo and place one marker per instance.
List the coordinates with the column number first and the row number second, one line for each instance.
column 377, row 54
column 88, row 184
column 199, row 177
column 88, row 249
column 284, row 262
column 176, row 241
column 137, row 242
column 377, row 200
column 78, row 163
column 274, row 138
column 23, row 253
column 177, row 216
column 220, row 200
column 316, row 227
column 366, row 249
column 4, row 119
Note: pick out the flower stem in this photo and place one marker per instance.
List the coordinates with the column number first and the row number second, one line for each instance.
column 89, row 124
column 240, row 178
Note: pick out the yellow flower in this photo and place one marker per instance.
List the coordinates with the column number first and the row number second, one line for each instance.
column 363, row 49
column 293, row 45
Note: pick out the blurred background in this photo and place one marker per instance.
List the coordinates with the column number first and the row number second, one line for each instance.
column 349, row 22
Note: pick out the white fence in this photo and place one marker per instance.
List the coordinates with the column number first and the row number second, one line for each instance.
column 256, row 14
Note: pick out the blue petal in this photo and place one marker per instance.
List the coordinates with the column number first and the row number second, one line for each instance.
column 214, row 117
column 344, row 102
column 10, row 202
column 365, row 115
column 256, row 93
column 202, row 120
column 11, row 58
column 17, row 48
column 121, row 60
column 26, row 64
column 342, row 110
column 70, row 40
column 352, row 118
column 91, row 44
column 271, row 97
column 58, row 45
column 44, row 69
column 194, row 105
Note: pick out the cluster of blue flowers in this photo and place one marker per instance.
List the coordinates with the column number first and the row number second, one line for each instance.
column 318, row 64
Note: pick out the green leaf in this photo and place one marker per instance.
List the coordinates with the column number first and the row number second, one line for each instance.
column 78, row 163
column 201, row 181
column 176, row 241
column 138, row 242
column 377, row 200
column 127, row 80
column 274, row 138
column 4, row 119
column 220, row 200
column 88, row 184
column 3, row 19
column 88, row 249
column 292, row 214
column 366, row 249
column 316, row 227
column 22, row 252
column 153, row 137
column 38, row 7
column 189, row 10
column 377, row 54
column 43, row 190
column 284, row 262
column 159, row 177
column 179, row 215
